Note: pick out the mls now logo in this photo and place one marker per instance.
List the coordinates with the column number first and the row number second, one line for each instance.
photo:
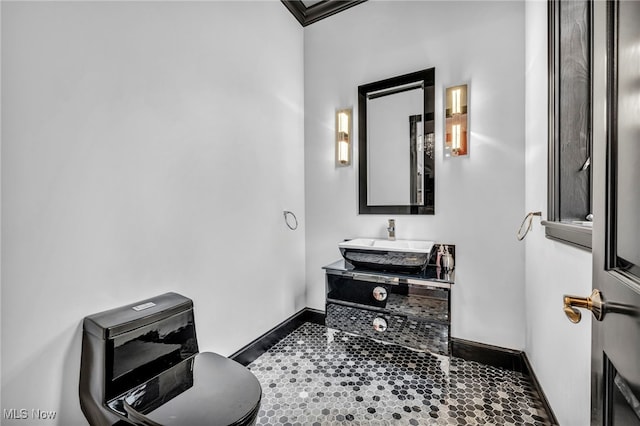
column 23, row 414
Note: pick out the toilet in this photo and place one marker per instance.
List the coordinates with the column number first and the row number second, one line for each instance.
column 140, row 365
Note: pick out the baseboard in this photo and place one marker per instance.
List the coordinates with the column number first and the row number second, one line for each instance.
column 508, row 359
column 494, row 356
column 529, row 372
column 253, row 350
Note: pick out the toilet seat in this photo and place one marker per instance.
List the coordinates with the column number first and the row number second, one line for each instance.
column 205, row 389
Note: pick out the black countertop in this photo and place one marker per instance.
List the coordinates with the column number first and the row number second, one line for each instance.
column 430, row 275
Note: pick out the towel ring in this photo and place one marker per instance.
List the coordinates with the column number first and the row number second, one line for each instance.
column 287, row 213
column 525, row 226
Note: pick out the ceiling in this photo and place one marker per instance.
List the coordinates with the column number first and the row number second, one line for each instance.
column 309, row 11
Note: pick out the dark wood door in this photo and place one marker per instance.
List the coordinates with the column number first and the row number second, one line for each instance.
column 616, row 237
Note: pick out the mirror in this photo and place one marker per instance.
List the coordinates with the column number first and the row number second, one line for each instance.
column 396, row 145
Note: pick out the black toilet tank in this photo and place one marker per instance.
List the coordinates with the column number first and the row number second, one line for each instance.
column 127, row 346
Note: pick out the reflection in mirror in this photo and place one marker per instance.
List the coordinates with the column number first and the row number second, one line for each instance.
column 396, row 146
column 394, row 123
column 456, row 141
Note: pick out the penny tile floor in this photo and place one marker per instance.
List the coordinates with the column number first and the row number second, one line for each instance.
column 321, row 376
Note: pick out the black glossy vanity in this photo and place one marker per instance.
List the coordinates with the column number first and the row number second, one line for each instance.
column 411, row 310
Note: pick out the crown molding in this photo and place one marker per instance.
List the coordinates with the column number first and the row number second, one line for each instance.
column 308, row 15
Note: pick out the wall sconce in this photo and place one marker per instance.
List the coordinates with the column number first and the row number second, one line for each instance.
column 456, row 141
column 343, row 137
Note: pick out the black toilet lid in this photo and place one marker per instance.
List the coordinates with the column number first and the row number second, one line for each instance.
column 207, row 389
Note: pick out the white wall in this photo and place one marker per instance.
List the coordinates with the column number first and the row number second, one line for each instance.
column 146, row 147
column 479, row 199
column 559, row 351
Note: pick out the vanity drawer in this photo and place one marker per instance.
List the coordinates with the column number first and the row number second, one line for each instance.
column 432, row 336
column 357, row 291
column 415, row 301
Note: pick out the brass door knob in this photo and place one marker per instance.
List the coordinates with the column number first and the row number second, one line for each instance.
column 594, row 303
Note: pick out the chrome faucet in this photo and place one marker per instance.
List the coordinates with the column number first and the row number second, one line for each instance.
column 391, row 229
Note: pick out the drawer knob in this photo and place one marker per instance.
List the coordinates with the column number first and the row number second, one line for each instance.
column 380, row 293
column 379, row 324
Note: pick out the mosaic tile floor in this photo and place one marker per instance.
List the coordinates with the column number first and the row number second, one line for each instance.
column 321, row 376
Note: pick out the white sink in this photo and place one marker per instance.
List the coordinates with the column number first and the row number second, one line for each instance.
column 387, row 255
column 388, row 245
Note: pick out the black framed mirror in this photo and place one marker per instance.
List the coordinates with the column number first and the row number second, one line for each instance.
column 396, row 145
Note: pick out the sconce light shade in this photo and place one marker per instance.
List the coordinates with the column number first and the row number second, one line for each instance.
column 343, row 137
column 456, row 141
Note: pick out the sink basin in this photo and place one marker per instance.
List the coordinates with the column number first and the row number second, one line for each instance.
column 409, row 256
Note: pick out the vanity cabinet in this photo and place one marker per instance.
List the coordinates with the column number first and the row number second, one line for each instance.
column 406, row 309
